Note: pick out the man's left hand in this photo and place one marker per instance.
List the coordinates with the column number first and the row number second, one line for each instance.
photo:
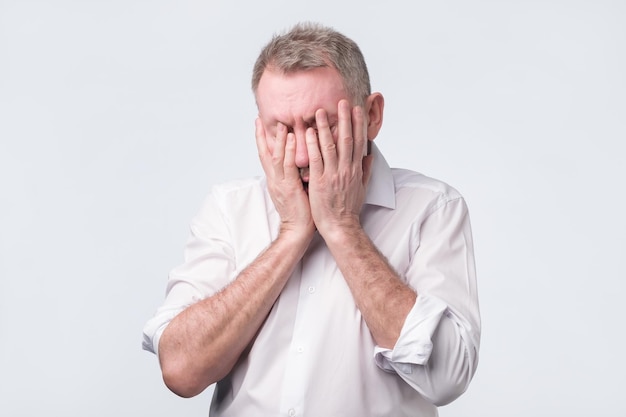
column 339, row 173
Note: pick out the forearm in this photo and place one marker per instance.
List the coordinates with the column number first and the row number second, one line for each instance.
column 202, row 344
column 382, row 297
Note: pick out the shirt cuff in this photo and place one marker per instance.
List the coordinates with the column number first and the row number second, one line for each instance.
column 414, row 345
column 154, row 328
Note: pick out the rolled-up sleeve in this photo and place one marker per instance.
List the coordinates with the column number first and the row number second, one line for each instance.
column 437, row 351
column 208, row 267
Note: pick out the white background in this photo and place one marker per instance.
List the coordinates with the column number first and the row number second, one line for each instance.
column 117, row 116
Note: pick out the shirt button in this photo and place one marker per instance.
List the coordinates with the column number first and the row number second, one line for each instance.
column 291, row 412
column 300, row 350
column 311, row 290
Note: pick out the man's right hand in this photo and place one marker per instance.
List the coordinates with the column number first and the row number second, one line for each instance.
column 283, row 180
column 202, row 344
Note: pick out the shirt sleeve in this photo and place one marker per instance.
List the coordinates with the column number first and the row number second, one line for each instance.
column 208, row 266
column 437, row 351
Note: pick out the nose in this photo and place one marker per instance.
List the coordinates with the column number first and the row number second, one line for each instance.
column 302, row 154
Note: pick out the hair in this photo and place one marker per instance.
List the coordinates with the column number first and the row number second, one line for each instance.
column 309, row 45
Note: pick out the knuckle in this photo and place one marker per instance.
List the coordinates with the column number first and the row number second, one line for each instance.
column 329, row 147
column 346, row 139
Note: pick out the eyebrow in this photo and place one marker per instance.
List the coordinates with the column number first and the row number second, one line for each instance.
column 311, row 122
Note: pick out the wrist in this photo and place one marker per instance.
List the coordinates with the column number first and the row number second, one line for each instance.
column 296, row 236
column 344, row 233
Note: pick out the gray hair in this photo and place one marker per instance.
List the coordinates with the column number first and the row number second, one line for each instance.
column 310, row 45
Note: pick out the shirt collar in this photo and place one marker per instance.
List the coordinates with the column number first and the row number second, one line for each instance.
column 381, row 190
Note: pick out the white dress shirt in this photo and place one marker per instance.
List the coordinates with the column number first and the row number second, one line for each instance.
column 314, row 355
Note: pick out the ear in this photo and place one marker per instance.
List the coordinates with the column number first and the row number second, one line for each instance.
column 374, row 106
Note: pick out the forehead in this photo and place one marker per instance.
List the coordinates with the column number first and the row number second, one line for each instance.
column 293, row 97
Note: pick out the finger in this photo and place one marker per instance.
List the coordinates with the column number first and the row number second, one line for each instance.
column 261, row 144
column 289, row 162
column 345, row 141
column 367, row 169
column 278, row 156
column 327, row 145
column 316, row 163
column 358, row 134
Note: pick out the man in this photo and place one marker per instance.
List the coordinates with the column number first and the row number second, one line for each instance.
column 333, row 285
